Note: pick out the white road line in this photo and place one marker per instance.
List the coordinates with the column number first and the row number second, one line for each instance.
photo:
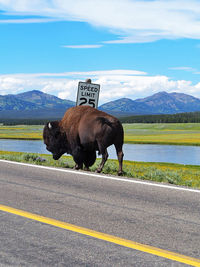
column 131, row 180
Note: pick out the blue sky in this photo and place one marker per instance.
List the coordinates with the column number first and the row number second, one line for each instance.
column 132, row 48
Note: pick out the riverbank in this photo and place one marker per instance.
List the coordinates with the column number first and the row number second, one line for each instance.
column 135, row 133
column 177, row 174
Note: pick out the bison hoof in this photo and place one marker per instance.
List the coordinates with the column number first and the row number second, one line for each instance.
column 77, row 167
column 120, row 173
column 98, row 170
column 86, row 169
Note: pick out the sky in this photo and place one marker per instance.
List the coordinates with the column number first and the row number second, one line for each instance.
column 131, row 48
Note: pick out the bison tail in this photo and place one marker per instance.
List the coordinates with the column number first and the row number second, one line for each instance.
column 103, row 120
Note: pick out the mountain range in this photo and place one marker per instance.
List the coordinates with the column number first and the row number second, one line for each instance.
column 33, row 104
column 159, row 103
column 36, row 104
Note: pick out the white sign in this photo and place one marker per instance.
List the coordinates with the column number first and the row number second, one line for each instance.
column 88, row 94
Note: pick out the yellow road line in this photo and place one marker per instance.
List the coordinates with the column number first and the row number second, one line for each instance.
column 109, row 238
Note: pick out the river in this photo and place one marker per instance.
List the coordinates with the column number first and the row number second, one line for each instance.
column 134, row 152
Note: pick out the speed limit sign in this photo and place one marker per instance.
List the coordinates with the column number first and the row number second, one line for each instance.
column 88, row 94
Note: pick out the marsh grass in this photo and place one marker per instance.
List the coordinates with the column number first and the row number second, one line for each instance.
column 177, row 174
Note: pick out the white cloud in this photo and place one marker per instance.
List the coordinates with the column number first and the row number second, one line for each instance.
column 188, row 69
column 82, row 46
column 182, row 68
column 79, row 74
column 25, row 21
column 114, row 84
column 132, row 21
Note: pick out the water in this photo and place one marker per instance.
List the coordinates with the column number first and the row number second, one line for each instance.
column 135, row 152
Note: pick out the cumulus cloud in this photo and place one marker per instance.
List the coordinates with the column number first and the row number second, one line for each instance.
column 132, row 21
column 114, row 84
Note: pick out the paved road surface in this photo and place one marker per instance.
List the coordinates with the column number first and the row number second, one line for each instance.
column 161, row 217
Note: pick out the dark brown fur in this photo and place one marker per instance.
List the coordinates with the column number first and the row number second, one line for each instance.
column 83, row 131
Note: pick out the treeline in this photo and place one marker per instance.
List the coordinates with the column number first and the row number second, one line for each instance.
column 192, row 117
column 168, row 118
column 25, row 121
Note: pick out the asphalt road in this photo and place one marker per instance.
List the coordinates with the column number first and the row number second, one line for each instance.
column 162, row 217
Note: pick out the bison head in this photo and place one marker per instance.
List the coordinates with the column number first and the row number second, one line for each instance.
column 54, row 139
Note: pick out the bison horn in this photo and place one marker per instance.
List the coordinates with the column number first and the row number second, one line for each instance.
column 49, row 125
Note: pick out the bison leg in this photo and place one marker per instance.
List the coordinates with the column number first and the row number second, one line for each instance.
column 120, row 156
column 89, row 158
column 103, row 161
column 78, row 157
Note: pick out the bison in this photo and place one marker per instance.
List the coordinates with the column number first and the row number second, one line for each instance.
column 82, row 131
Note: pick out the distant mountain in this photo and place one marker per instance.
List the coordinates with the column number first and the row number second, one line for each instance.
column 12, row 103
column 124, row 105
column 42, row 100
column 159, row 103
column 169, row 103
column 36, row 104
column 33, row 104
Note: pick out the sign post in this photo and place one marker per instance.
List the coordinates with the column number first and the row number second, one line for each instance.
column 88, row 94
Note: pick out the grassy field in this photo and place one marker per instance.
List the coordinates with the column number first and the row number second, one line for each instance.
column 163, row 133
column 137, row 133
column 22, row 132
column 176, row 174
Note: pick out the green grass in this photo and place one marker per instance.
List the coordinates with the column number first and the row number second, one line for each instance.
column 176, row 174
column 162, row 133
